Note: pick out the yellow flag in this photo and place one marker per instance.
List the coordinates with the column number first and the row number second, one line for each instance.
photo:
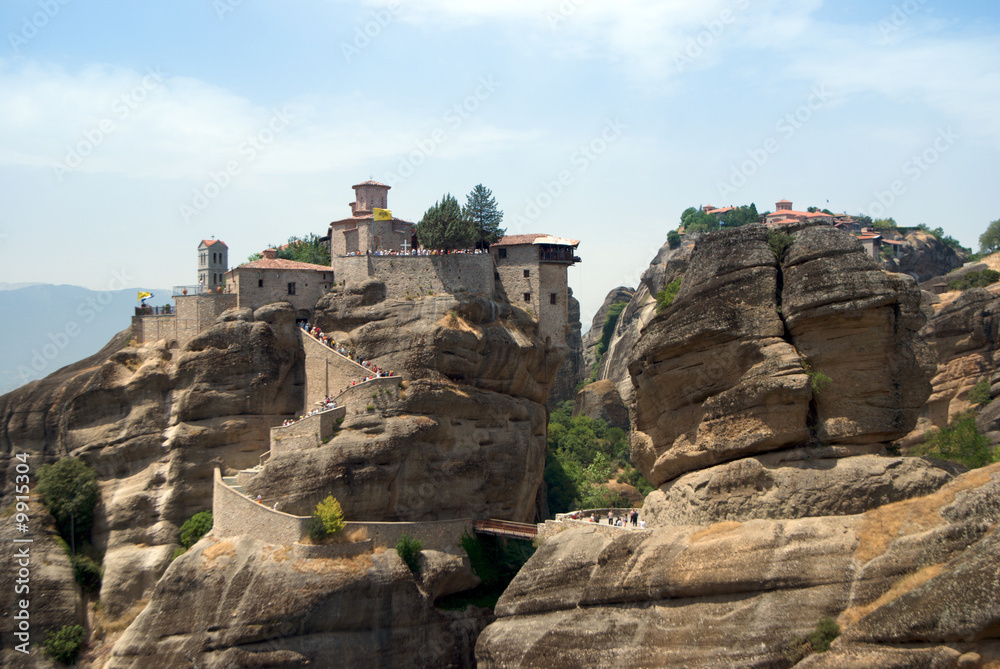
column 382, row 214
column 143, row 296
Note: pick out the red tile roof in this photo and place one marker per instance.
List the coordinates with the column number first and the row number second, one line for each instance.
column 211, row 242
column 281, row 263
column 371, row 183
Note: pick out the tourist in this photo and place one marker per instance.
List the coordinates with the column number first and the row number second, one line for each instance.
column 642, row 524
column 610, row 517
column 260, row 500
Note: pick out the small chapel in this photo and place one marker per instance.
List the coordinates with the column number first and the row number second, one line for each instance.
column 367, row 231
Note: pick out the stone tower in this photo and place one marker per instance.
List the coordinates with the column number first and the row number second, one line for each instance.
column 213, row 263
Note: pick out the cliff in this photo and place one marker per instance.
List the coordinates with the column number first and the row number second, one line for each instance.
column 924, row 256
column 764, row 399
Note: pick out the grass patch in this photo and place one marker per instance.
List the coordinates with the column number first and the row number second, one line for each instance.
column 665, row 297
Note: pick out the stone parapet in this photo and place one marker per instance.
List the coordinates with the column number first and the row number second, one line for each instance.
column 415, row 276
column 234, row 514
column 310, row 432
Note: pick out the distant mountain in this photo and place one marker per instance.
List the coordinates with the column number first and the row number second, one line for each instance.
column 47, row 327
column 14, row 286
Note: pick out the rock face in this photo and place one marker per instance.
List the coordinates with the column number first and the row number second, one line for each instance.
column 600, row 400
column 619, row 294
column 573, row 368
column 911, row 584
column 965, row 334
column 151, row 421
column 757, row 355
column 464, row 436
column 241, row 603
column 923, row 256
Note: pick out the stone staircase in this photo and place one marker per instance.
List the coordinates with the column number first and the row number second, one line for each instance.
column 231, row 482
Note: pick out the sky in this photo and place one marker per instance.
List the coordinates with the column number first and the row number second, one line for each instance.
column 130, row 131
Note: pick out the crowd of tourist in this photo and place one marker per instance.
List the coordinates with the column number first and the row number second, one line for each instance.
column 417, row 252
column 325, row 404
column 348, row 352
column 624, row 520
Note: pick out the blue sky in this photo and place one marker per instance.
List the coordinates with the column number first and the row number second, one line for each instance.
column 130, row 131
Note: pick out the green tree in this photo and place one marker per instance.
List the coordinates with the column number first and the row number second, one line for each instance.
column 306, row 249
column 481, row 209
column 443, row 227
column 740, row 216
column 327, row 519
column 884, row 224
column 64, row 644
column 673, row 239
column 195, row 527
column 989, row 241
column 696, row 220
column 408, row 550
column 960, row 442
column 69, row 490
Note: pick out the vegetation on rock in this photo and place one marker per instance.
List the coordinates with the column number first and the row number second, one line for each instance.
column 195, row 527
column 87, row 572
column 979, row 395
column 989, row 241
column 977, row 279
column 64, row 644
column 607, row 330
column 779, row 243
column 673, row 239
column 327, row 519
column 69, row 490
column 496, row 562
column 961, row 442
column 665, row 297
column 583, row 454
column 310, row 249
column 409, row 549
column 817, row 641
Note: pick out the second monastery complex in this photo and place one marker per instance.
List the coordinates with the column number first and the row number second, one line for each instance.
column 530, row 269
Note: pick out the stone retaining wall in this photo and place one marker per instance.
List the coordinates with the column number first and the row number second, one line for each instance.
column 310, row 432
column 357, row 398
column 414, row 276
column 314, row 551
column 327, row 372
column 234, row 514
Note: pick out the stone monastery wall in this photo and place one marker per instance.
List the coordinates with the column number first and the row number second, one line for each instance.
column 414, row 276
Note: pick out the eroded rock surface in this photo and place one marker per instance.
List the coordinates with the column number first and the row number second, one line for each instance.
column 757, row 355
column 910, row 580
column 240, row 603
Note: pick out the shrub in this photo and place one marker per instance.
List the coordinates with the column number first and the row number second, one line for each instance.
column 826, row 631
column 665, row 297
column 673, row 239
column 195, row 527
column 68, row 489
column 779, row 243
column 179, row 551
column 64, row 644
column 959, row 442
column 87, row 572
column 370, row 407
column 979, row 279
column 979, row 395
column 327, row 519
column 817, row 380
column 409, row 551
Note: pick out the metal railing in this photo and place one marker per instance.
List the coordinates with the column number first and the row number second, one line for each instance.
column 506, row 528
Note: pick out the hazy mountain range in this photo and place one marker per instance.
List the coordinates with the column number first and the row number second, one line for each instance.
column 58, row 325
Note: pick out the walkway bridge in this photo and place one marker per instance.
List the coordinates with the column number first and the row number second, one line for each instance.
column 507, row 529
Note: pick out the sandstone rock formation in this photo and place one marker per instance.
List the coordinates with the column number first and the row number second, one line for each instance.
column 151, row 421
column 600, row 400
column 911, row 584
column 965, row 334
column 757, row 355
column 924, row 256
column 241, row 603
column 463, row 436
column 573, row 368
column 619, row 294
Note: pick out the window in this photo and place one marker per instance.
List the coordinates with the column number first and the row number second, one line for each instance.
column 552, row 298
column 501, row 253
column 527, row 273
column 527, row 297
column 291, row 288
column 260, row 283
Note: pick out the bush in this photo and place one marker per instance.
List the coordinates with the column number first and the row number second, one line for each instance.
column 673, row 239
column 979, row 279
column 327, row 519
column 87, row 572
column 409, row 551
column 779, row 243
column 496, row 561
column 979, row 395
column 665, row 297
column 195, row 527
column 826, row 631
column 68, row 489
column 959, row 442
column 64, row 645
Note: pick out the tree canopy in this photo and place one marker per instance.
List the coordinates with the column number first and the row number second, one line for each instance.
column 69, row 490
column 481, row 209
column 989, row 241
column 311, row 249
column 444, row 227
